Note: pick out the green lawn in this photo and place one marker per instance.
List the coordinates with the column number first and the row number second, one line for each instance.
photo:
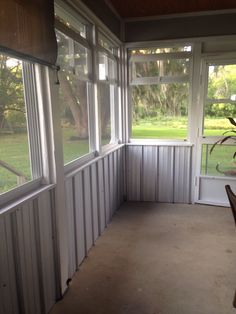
column 14, row 147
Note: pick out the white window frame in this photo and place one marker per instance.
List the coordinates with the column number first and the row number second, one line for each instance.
column 67, row 12
column 160, row 80
column 115, row 101
column 34, row 130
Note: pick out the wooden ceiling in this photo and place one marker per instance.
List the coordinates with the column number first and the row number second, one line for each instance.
column 145, row 8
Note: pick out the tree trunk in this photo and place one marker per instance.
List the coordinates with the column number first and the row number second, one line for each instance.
column 78, row 107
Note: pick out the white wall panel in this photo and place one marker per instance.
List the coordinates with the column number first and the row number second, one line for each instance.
column 107, row 189
column 112, row 191
column 88, row 208
column 27, row 259
column 71, row 229
column 101, row 197
column 149, row 173
column 182, row 174
column 166, row 174
column 79, row 218
column 8, row 289
column 46, row 249
column 94, row 183
column 134, row 168
column 158, row 173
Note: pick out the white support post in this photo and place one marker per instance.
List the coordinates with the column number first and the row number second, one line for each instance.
column 53, row 165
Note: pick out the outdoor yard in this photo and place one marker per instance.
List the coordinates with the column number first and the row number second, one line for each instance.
column 15, row 151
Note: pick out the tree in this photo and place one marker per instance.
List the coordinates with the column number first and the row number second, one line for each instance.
column 72, row 59
column 160, row 99
column 12, row 107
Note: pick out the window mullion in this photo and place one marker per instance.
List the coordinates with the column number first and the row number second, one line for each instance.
column 32, row 119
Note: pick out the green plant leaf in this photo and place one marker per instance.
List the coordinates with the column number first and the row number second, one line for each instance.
column 232, row 121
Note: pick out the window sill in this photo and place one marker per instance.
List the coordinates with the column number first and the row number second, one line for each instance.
column 158, row 142
column 19, row 201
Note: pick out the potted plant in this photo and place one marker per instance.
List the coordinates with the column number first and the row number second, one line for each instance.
column 226, row 138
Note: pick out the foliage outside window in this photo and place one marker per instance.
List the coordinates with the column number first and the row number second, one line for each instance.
column 75, row 61
column 15, row 157
column 107, row 97
column 220, row 101
column 159, row 92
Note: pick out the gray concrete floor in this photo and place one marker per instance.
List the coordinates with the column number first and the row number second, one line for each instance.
column 158, row 259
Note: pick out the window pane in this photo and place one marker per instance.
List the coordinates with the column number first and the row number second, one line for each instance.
column 74, row 24
column 154, row 50
column 107, row 68
column 107, row 44
column 220, row 162
column 215, row 121
column 15, row 168
column 160, row 111
column 73, row 57
column 172, row 67
column 222, row 82
column 105, row 108
column 73, row 60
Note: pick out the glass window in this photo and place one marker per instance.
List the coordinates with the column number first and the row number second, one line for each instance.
column 75, row 62
column 220, row 101
column 170, row 67
column 155, row 50
column 107, row 97
column 160, row 111
column 220, row 162
column 159, row 92
column 15, row 159
column 107, row 44
column 71, row 21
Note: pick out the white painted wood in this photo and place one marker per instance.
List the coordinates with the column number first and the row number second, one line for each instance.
column 71, row 227
column 116, row 181
column 182, row 174
column 101, row 197
column 212, row 190
column 88, row 208
column 12, row 284
column 111, row 184
column 165, row 174
column 94, row 195
column 7, row 303
column 149, row 173
column 47, row 242
column 79, row 218
column 133, row 175
column 107, row 189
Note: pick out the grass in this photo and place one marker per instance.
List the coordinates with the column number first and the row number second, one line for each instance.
column 15, row 151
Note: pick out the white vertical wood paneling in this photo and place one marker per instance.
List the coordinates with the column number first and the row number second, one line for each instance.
column 47, row 240
column 158, row 173
column 79, row 218
column 182, row 171
column 166, row 174
column 8, row 292
column 71, row 229
column 134, row 168
column 115, row 187
column 101, row 197
column 88, row 208
column 8, row 286
column 27, row 259
column 112, row 192
column 107, row 189
column 149, row 177
column 94, row 182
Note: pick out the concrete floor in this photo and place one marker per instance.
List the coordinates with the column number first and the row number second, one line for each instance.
column 158, row 259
